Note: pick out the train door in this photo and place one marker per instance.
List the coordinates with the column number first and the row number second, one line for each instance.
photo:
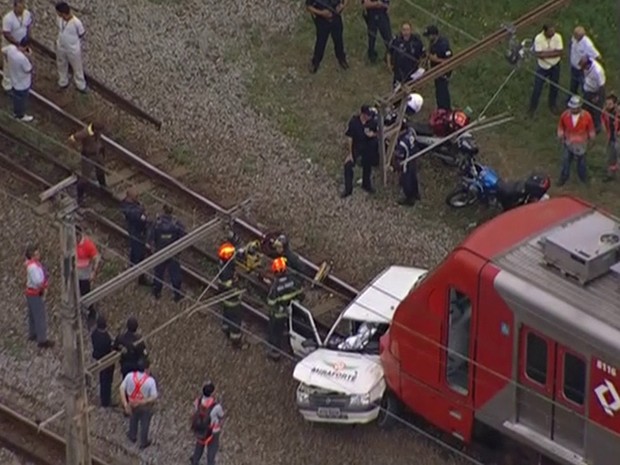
column 551, row 392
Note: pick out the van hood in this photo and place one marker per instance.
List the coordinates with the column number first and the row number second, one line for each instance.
column 343, row 372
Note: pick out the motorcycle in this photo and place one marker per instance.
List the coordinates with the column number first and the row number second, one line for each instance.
column 480, row 183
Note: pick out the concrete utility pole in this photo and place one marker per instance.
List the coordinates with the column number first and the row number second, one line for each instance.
column 77, row 431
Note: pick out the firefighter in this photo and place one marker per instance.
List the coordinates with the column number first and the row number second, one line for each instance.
column 231, row 307
column 136, row 220
column 166, row 230
column 282, row 247
column 92, row 156
column 282, row 292
column 405, row 147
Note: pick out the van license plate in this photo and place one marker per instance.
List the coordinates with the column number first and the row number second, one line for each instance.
column 329, row 412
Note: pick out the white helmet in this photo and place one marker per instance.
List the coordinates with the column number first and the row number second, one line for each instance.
column 415, row 103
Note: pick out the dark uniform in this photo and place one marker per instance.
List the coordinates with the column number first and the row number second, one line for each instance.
column 440, row 47
column 377, row 20
column 283, row 290
column 405, row 147
column 166, row 230
column 231, row 307
column 102, row 346
column 406, row 54
column 363, row 150
column 324, row 28
column 132, row 353
column 135, row 218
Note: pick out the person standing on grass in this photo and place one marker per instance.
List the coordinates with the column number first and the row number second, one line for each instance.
column 327, row 17
column 138, row 394
column 593, row 88
column 581, row 46
column 16, row 26
column 69, row 47
column 439, row 52
column 548, row 49
column 406, row 53
column 20, row 73
column 102, row 346
column 611, row 123
column 575, row 130
column 36, row 285
column 360, row 135
column 377, row 22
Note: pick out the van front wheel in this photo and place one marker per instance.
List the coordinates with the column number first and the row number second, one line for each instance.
column 390, row 410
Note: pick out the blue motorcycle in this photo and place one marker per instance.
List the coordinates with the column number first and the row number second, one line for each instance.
column 481, row 183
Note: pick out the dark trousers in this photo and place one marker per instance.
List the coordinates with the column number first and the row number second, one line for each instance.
column 409, row 183
column 20, row 101
column 174, row 270
column 349, row 174
column 325, row 28
column 212, row 449
column 576, row 81
column 553, row 75
column 596, row 100
column 137, row 250
column 106, row 378
column 84, row 285
column 140, row 418
column 277, row 325
column 232, row 321
column 90, row 163
column 37, row 318
column 442, row 93
column 377, row 22
column 567, row 161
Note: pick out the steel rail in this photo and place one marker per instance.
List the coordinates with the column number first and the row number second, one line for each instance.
column 169, row 181
column 475, row 49
column 46, row 433
column 104, row 90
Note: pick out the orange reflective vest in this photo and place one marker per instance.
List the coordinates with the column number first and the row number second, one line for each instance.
column 215, row 427
column 137, row 390
column 579, row 133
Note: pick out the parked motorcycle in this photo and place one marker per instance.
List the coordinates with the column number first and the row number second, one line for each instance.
column 480, row 183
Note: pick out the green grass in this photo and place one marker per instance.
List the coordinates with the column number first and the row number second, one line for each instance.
column 313, row 109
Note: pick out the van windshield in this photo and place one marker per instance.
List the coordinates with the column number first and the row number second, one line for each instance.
column 356, row 336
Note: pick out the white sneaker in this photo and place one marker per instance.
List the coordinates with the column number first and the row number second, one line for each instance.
column 26, row 119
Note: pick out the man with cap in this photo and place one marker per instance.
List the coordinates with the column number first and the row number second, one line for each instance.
column 137, row 224
column 581, row 46
column 327, row 17
column 362, row 140
column 207, row 418
column 132, row 351
column 102, row 346
column 138, row 393
column 439, row 51
column 575, row 131
column 377, row 22
column 88, row 263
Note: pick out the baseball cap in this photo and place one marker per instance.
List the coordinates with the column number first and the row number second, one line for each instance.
column 430, row 31
column 366, row 110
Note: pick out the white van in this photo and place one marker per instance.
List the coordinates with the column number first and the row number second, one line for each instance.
column 340, row 378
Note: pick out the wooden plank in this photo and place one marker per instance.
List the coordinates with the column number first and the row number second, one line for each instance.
column 116, row 177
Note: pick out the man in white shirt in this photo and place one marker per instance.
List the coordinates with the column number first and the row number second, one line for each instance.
column 138, row 393
column 548, row 49
column 36, row 285
column 69, row 47
column 20, row 72
column 581, row 46
column 593, row 88
column 15, row 26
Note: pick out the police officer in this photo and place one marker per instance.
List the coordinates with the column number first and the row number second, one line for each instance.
column 135, row 217
column 439, row 51
column 377, row 20
column 131, row 350
column 166, row 230
column 282, row 292
column 327, row 17
column 405, row 147
column 102, row 346
column 406, row 51
column 361, row 135
column 231, row 307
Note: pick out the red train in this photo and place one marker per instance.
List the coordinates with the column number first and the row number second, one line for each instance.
column 519, row 330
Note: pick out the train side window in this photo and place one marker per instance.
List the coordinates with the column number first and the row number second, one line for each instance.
column 459, row 322
column 574, row 382
column 536, row 358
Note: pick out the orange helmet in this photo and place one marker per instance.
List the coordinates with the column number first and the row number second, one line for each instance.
column 460, row 119
column 278, row 265
column 226, row 251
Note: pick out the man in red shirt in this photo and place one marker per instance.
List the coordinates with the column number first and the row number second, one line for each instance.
column 88, row 261
column 575, row 131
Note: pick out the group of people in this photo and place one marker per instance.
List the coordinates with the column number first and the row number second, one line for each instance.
column 577, row 126
column 17, row 54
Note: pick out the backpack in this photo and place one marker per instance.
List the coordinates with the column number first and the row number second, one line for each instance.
column 201, row 420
